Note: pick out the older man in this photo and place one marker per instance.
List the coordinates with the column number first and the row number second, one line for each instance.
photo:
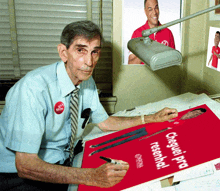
column 164, row 36
column 35, row 125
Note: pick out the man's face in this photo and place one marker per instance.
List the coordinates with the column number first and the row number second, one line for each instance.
column 82, row 57
column 191, row 114
column 216, row 40
column 152, row 12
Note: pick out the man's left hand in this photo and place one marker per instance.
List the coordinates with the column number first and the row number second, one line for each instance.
column 163, row 115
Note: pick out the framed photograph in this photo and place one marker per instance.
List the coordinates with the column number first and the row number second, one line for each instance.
column 213, row 61
column 214, row 15
column 134, row 17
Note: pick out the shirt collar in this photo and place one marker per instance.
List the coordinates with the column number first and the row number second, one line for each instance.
column 66, row 85
column 147, row 25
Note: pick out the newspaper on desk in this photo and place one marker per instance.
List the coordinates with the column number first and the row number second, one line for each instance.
column 181, row 102
column 205, row 183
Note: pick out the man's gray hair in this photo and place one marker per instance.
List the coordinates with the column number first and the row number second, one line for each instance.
column 85, row 29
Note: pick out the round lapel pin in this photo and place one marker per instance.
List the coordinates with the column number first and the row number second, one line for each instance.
column 59, row 107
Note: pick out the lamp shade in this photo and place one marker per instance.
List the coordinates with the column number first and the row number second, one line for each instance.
column 154, row 54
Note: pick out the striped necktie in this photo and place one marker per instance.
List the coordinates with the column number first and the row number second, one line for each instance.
column 74, row 120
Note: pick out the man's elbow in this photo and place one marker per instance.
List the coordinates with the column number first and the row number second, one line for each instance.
column 23, row 165
column 22, row 172
column 102, row 127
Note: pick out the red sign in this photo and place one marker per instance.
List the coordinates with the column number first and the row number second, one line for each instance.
column 168, row 147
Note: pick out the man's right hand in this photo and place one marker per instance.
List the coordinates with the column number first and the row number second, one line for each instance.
column 30, row 166
column 108, row 175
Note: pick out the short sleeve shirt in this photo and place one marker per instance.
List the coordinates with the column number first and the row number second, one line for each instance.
column 36, row 117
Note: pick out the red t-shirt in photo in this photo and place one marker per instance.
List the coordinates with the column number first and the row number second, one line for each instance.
column 163, row 36
column 215, row 58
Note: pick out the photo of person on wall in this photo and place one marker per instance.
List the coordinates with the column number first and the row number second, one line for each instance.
column 146, row 14
column 165, row 36
column 213, row 61
column 213, row 50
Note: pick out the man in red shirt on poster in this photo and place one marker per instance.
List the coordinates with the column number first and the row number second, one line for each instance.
column 164, row 36
column 215, row 51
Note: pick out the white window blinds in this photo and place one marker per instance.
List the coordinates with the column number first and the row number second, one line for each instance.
column 102, row 16
column 30, row 32
column 39, row 25
column 6, row 60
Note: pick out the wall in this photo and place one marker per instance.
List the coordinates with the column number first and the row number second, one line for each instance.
column 196, row 76
column 138, row 85
column 194, row 47
column 211, row 79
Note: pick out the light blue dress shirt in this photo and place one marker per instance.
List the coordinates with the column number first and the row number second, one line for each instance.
column 30, row 121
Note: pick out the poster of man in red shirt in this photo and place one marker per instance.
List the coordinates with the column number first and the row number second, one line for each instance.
column 213, row 54
column 140, row 15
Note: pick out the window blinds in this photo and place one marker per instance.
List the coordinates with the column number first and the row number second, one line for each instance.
column 6, row 60
column 39, row 25
column 30, row 32
column 102, row 16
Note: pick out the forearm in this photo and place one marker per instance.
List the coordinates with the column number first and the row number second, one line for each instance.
column 210, row 60
column 29, row 166
column 218, row 56
column 133, row 59
column 114, row 123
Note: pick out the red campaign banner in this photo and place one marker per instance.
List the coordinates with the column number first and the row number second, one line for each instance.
column 186, row 141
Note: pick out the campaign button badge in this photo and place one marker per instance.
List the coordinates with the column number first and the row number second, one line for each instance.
column 59, row 107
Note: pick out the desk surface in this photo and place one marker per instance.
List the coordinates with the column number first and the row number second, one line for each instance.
column 181, row 102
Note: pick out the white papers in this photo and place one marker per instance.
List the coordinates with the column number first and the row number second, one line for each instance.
column 140, row 187
column 151, row 186
column 157, row 187
column 206, row 183
column 180, row 102
column 194, row 172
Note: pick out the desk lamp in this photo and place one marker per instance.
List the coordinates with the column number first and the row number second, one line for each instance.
column 154, row 54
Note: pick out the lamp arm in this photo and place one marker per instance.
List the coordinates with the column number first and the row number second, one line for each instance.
column 148, row 32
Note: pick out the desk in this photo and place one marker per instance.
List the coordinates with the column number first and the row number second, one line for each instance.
column 181, row 102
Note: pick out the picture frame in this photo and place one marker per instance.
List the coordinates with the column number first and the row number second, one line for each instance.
column 212, row 32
